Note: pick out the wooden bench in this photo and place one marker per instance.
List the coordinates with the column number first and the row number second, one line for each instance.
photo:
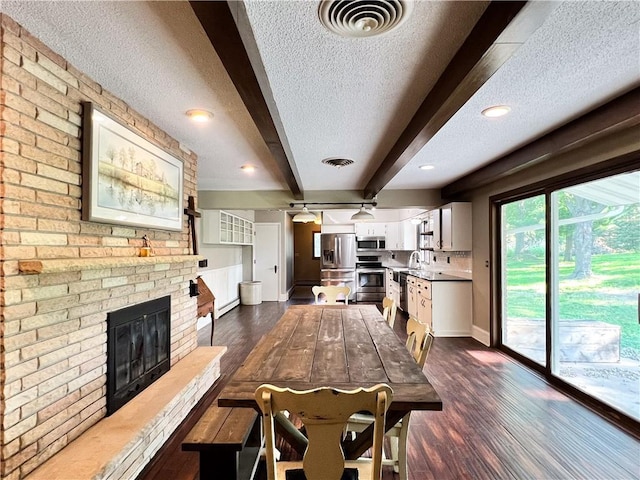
column 228, row 441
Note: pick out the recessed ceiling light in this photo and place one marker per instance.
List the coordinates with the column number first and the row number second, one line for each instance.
column 427, row 167
column 496, row 111
column 199, row 115
column 248, row 167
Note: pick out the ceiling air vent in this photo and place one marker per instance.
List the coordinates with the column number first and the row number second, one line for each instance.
column 337, row 162
column 363, row 18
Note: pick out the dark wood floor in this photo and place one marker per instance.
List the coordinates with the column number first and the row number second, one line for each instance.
column 500, row 420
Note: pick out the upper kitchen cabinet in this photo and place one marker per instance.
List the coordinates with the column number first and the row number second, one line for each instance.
column 401, row 236
column 452, row 227
column 220, row 227
column 370, row 229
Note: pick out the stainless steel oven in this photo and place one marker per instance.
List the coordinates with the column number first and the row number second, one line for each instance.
column 369, row 279
column 369, row 284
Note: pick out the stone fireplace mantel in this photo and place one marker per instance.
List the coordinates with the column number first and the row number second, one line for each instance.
column 56, row 265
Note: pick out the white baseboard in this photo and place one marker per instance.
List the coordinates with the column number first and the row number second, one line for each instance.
column 221, row 311
column 481, row 335
column 203, row 321
column 286, row 296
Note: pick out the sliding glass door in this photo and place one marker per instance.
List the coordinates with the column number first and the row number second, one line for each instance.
column 595, row 286
column 570, row 302
column 523, row 277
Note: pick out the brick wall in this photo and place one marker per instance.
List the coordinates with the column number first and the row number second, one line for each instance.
column 53, row 325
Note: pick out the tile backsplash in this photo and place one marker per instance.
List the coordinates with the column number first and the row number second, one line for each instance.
column 459, row 263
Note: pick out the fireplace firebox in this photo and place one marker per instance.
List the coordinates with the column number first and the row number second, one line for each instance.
column 138, row 349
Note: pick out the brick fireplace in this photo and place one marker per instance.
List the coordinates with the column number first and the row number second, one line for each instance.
column 60, row 276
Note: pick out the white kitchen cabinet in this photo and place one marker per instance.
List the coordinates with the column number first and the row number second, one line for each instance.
column 395, row 293
column 392, row 288
column 451, row 309
column 445, row 305
column 365, row 229
column 452, row 227
column 424, row 310
column 401, row 236
column 388, row 283
column 412, row 296
column 219, row 227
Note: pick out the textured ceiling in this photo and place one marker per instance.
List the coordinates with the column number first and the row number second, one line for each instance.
column 338, row 96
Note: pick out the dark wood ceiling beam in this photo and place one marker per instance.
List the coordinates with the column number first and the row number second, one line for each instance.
column 619, row 114
column 500, row 31
column 219, row 25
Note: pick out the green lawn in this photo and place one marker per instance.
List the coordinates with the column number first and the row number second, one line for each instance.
column 609, row 295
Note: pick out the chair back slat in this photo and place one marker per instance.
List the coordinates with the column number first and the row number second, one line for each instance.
column 419, row 340
column 331, row 293
column 389, row 308
column 324, row 413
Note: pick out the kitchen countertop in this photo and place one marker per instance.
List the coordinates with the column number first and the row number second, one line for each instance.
column 431, row 275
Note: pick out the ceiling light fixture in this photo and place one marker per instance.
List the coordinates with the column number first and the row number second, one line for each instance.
column 496, row 111
column 362, row 215
column 248, row 168
column 305, row 216
column 427, row 167
column 199, row 116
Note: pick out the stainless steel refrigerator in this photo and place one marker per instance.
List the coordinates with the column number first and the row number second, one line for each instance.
column 338, row 265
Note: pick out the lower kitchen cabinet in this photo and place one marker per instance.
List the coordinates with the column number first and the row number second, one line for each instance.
column 423, row 307
column 446, row 305
column 452, row 310
column 412, row 296
column 392, row 288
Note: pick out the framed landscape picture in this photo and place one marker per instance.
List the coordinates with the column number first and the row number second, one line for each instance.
column 126, row 179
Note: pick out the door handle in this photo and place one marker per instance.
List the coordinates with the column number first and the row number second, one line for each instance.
column 275, row 269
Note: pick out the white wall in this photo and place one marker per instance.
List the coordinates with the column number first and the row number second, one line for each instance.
column 228, row 265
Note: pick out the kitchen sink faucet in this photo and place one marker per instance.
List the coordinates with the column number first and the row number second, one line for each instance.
column 417, row 254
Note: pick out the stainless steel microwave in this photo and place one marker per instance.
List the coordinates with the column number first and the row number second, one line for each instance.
column 370, row 243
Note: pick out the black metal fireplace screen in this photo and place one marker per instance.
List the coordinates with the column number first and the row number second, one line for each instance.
column 138, row 349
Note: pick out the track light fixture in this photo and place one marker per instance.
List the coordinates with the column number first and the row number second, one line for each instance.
column 361, row 216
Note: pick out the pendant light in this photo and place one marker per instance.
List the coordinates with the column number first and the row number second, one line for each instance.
column 362, row 215
column 304, row 216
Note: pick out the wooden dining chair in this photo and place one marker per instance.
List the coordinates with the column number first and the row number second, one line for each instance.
column 324, row 413
column 389, row 308
column 419, row 342
column 331, row 293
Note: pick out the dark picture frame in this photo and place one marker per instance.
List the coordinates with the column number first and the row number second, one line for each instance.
column 127, row 180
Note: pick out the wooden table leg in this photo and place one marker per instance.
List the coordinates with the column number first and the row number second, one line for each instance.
column 353, row 449
column 290, row 433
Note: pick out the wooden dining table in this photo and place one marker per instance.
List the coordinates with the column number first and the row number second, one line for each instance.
column 339, row 346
